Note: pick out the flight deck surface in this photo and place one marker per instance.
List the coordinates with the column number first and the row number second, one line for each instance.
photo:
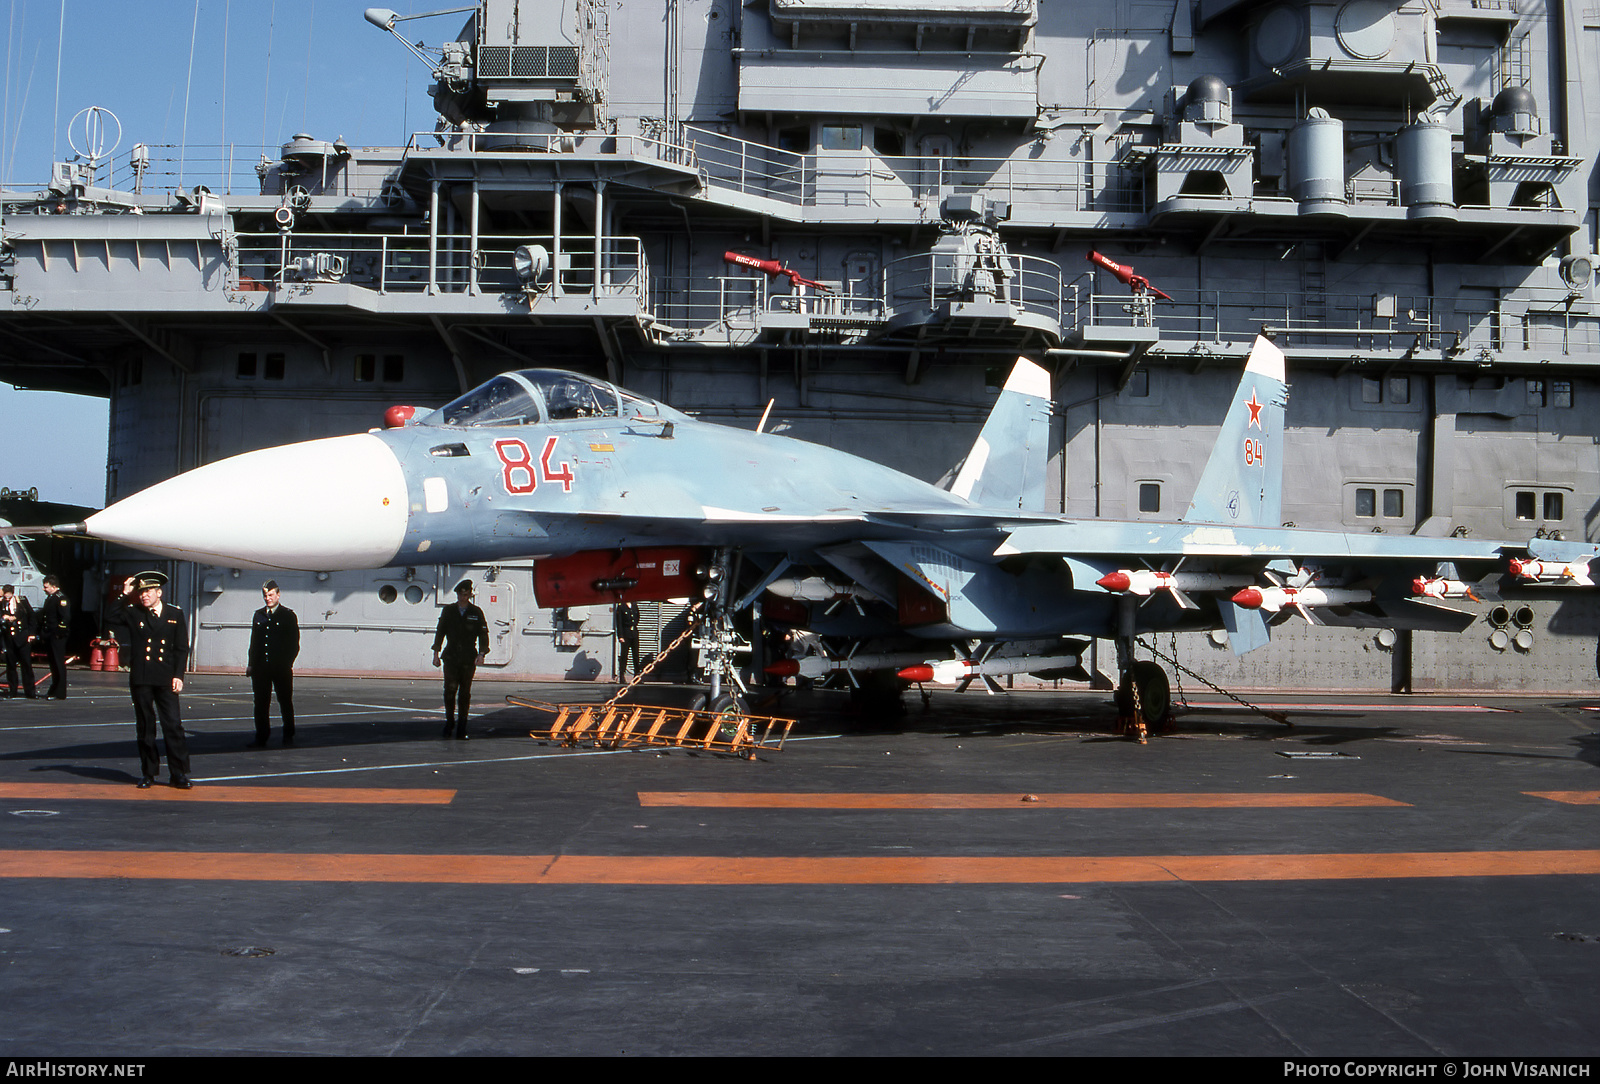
column 1393, row 876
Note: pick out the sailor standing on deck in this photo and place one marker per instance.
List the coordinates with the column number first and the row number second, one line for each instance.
column 55, row 621
column 16, row 639
column 274, row 645
column 464, row 632
column 625, row 622
column 158, row 650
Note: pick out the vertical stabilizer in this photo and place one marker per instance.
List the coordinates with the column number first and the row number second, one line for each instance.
column 1006, row 467
column 1243, row 481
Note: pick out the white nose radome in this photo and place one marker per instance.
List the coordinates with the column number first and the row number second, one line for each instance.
column 325, row 504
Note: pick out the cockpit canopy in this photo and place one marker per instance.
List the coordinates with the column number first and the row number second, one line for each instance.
column 537, row 396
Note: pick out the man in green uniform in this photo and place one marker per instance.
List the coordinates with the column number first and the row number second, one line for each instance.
column 464, row 632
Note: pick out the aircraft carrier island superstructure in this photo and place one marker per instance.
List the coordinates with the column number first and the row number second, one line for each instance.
column 863, row 211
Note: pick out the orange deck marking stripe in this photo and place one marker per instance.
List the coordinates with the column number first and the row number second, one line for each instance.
column 713, row 870
column 280, row 795
column 1570, row 797
column 757, row 800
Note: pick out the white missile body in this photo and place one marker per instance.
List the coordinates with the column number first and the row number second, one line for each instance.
column 1440, row 587
column 324, row 504
column 955, row 671
column 816, row 666
column 1573, row 572
column 814, row 589
column 1301, row 599
column 1146, row 581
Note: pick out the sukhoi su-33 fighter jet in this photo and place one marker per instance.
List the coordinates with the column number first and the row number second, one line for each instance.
column 621, row 498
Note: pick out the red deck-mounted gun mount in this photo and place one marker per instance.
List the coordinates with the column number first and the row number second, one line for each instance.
column 1126, row 275
column 773, row 268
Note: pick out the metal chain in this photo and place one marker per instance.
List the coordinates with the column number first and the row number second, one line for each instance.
column 1275, row 716
column 1182, row 697
column 1136, row 723
column 688, row 630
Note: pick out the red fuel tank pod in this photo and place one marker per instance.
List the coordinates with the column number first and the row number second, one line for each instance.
column 601, row 577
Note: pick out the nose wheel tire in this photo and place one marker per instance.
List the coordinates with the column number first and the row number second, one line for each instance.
column 730, row 710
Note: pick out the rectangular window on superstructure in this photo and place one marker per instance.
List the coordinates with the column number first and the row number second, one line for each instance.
column 1149, row 496
column 394, row 368
column 888, row 142
column 1536, row 393
column 246, row 367
column 1394, row 503
column 272, row 368
column 1561, row 394
column 366, row 368
column 841, row 137
column 1399, row 390
column 1366, row 502
column 1371, row 389
column 1529, row 503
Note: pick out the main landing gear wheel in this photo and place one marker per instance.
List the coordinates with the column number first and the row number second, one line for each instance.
column 1144, row 700
column 1155, row 693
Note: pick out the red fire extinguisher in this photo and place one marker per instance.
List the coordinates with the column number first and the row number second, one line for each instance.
column 112, row 653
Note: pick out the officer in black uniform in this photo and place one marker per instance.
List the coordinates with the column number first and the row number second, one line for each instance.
column 158, row 651
column 625, row 623
column 55, row 619
column 16, row 638
column 464, row 632
column 274, row 645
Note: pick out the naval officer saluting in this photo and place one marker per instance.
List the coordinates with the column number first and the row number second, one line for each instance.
column 158, row 651
column 16, row 640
